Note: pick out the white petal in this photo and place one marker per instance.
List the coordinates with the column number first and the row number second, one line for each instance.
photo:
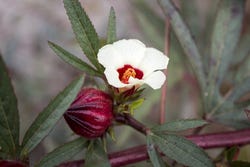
column 135, row 81
column 153, row 60
column 131, row 50
column 113, row 78
column 134, row 53
column 109, row 57
column 156, row 79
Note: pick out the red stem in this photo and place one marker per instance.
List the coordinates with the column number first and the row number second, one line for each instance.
column 223, row 139
column 139, row 153
column 206, row 141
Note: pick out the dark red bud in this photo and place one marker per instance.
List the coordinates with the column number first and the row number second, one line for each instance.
column 91, row 113
column 11, row 163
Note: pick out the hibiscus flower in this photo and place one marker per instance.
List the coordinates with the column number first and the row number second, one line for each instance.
column 130, row 63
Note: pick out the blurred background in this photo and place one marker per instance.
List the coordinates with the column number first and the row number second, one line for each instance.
column 38, row 74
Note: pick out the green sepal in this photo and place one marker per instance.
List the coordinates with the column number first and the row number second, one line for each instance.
column 135, row 104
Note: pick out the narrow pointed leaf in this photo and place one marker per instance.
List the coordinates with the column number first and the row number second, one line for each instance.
column 179, row 125
column 84, row 30
column 190, row 13
column 154, row 156
column 240, row 90
column 231, row 103
column 183, row 34
column 63, row 153
column 182, row 150
column 205, row 38
column 111, row 36
column 47, row 119
column 225, row 37
column 151, row 24
column 243, row 70
column 237, row 119
column 73, row 60
column 9, row 117
column 96, row 156
column 242, row 50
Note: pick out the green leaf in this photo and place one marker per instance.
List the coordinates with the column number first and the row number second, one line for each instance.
column 154, row 156
column 243, row 71
column 151, row 24
column 240, row 90
column 73, row 60
column 230, row 153
column 242, row 50
column 96, row 155
column 179, row 125
column 9, row 117
column 84, row 30
column 190, row 13
column 111, row 36
column 204, row 40
column 225, row 37
column 63, row 153
column 239, row 164
column 182, row 150
column 183, row 34
column 47, row 119
column 237, row 119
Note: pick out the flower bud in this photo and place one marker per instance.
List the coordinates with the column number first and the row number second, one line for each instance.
column 91, row 113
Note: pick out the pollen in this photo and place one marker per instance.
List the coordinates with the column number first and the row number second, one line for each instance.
column 128, row 71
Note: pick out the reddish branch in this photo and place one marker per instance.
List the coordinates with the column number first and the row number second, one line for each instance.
column 128, row 120
column 164, row 87
column 139, row 153
column 223, row 139
column 214, row 140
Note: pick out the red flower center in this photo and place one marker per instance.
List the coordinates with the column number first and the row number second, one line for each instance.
column 128, row 71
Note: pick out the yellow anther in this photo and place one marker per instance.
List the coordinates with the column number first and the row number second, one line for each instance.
column 130, row 72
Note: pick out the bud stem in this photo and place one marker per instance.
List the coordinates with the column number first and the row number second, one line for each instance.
column 129, row 120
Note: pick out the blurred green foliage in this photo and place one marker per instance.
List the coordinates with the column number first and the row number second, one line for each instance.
column 222, row 38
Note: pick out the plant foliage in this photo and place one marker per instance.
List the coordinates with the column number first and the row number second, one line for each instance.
column 9, row 117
